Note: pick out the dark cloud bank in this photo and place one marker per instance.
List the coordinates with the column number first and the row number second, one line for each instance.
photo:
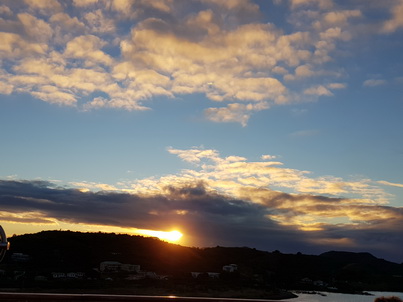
column 210, row 219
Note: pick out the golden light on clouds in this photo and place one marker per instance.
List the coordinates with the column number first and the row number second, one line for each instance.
column 335, row 241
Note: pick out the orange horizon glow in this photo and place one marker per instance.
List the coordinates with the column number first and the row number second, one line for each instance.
column 10, row 228
column 172, row 236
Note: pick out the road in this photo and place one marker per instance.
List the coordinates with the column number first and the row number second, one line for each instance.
column 28, row 297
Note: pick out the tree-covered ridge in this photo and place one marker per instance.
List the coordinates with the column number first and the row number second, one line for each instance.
column 67, row 251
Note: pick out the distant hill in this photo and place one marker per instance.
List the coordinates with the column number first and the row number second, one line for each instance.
column 51, row 251
column 349, row 256
column 364, row 261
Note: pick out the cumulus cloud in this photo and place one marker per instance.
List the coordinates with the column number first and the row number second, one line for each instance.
column 65, row 28
column 268, row 157
column 4, row 10
column 302, row 71
column 51, row 94
column 239, row 113
column 5, row 88
column 87, row 48
column 14, row 46
column 396, row 21
column 34, row 28
column 318, row 90
column 219, row 172
column 373, row 82
column 206, row 65
column 99, row 23
column 340, row 17
column 323, row 4
column 336, row 85
column 84, row 3
column 45, row 6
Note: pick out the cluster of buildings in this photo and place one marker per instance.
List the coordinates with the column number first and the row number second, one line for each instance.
column 133, row 270
column 114, row 266
column 109, row 269
column 317, row 283
column 230, row 268
column 71, row 275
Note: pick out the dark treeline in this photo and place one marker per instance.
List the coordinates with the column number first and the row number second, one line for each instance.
column 65, row 251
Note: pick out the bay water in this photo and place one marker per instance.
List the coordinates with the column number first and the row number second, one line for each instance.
column 336, row 297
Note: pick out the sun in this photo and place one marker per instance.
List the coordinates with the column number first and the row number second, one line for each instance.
column 172, row 236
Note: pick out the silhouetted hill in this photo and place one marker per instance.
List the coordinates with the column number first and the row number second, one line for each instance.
column 349, row 256
column 58, row 250
column 66, row 251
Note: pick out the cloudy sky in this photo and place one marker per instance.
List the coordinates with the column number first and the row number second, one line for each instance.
column 269, row 124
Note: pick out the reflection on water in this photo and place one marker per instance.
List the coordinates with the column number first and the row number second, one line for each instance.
column 333, row 297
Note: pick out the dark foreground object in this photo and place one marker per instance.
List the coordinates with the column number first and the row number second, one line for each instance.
column 27, row 297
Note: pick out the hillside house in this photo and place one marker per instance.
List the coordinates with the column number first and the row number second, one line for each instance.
column 213, row 275
column 196, row 274
column 114, row 266
column 75, row 275
column 110, row 266
column 58, row 275
column 20, row 257
column 130, row 267
column 230, row 268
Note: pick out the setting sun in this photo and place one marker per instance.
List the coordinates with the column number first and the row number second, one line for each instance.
column 172, row 236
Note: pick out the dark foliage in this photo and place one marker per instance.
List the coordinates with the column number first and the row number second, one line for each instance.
column 67, row 251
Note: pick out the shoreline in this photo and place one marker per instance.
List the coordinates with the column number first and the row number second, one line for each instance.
column 242, row 294
column 46, row 296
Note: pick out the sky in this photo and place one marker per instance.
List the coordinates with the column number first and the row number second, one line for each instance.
column 275, row 125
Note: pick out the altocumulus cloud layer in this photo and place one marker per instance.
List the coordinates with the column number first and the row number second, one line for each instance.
column 225, row 201
column 118, row 54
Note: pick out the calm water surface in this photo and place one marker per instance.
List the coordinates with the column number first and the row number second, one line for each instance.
column 333, row 297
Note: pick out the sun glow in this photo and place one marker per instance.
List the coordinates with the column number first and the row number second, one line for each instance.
column 172, row 236
column 53, row 224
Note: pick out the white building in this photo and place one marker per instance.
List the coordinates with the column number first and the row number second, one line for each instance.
column 130, row 267
column 75, row 275
column 58, row 275
column 110, row 266
column 214, row 275
column 114, row 266
column 20, row 257
column 230, row 268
